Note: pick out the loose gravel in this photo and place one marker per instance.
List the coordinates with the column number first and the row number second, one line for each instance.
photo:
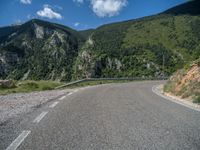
column 13, row 105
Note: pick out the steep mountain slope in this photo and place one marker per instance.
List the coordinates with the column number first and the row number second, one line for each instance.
column 7, row 30
column 141, row 47
column 38, row 50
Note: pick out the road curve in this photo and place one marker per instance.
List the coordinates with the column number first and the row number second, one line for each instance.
column 125, row 116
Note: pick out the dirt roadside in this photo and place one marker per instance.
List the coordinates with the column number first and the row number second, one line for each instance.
column 13, row 105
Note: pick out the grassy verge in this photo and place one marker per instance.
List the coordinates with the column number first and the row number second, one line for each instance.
column 29, row 86
column 169, row 87
column 197, row 99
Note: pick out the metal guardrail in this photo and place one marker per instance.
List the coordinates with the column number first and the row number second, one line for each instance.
column 116, row 79
column 70, row 83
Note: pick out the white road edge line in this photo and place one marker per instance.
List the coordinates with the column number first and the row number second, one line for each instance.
column 16, row 143
column 154, row 90
column 53, row 105
column 39, row 118
column 63, row 97
column 69, row 94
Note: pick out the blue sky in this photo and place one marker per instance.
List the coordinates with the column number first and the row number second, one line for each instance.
column 80, row 14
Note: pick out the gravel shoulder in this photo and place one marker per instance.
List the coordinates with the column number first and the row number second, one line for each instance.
column 13, row 105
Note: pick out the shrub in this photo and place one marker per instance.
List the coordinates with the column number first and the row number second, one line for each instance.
column 169, row 87
column 30, row 85
column 46, row 88
column 197, row 99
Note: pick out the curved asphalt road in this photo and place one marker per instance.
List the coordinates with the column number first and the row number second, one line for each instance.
column 125, row 116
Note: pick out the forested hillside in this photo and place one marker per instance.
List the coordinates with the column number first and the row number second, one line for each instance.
column 141, row 47
column 38, row 50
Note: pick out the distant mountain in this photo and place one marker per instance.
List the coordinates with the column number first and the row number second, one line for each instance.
column 38, row 50
column 43, row 50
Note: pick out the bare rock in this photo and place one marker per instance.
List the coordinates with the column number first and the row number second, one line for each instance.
column 7, row 83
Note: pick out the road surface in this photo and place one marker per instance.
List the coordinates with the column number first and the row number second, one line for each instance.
column 125, row 116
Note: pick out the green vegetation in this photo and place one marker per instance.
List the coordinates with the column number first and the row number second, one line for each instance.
column 30, row 86
column 197, row 99
column 86, row 33
column 138, row 47
column 39, row 50
column 169, row 87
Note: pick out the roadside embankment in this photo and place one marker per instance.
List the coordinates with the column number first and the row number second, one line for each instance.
column 185, row 83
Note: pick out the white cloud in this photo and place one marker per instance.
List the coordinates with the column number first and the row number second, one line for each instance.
column 107, row 8
column 25, row 1
column 78, row 1
column 76, row 24
column 49, row 13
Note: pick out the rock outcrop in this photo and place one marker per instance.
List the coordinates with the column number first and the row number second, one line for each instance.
column 186, row 82
column 7, row 84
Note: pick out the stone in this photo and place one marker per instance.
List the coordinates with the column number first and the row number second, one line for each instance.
column 7, row 83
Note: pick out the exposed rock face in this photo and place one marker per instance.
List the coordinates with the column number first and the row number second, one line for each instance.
column 86, row 65
column 8, row 61
column 193, row 75
column 118, row 64
column 57, row 39
column 91, row 67
column 86, row 56
column 114, row 63
column 7, row 84
column 186, row 82
column 12, row 35
column 90, row 41
column 26, row 75
column 39, row 31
